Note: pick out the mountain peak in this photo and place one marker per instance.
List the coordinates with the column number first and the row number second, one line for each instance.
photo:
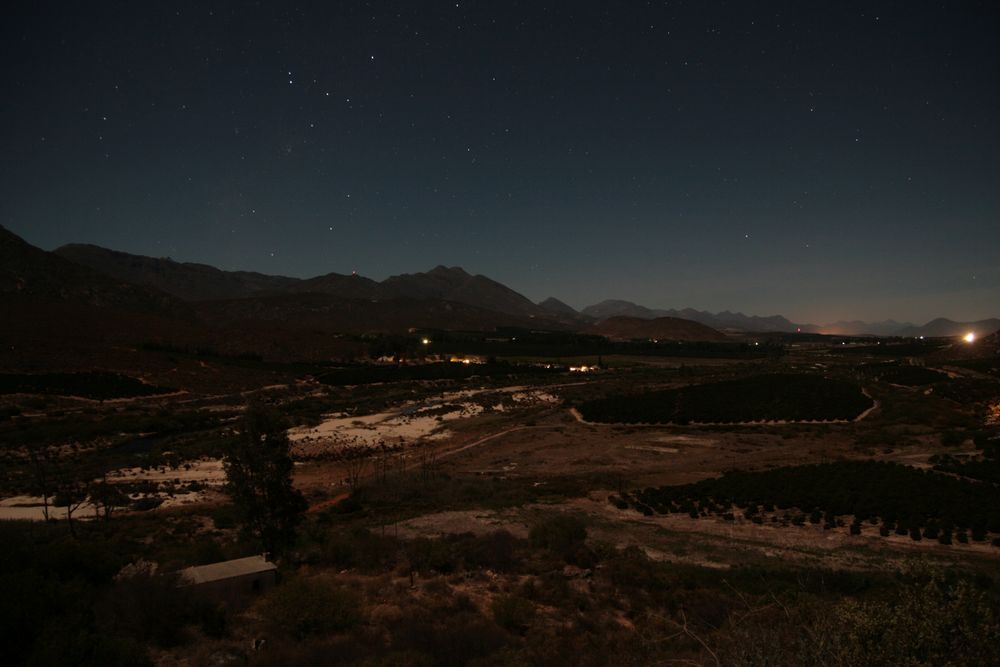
column 451, row 271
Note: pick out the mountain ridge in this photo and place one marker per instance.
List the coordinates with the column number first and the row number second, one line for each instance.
column 667, row 328
column 201, row 282
column 189, row 281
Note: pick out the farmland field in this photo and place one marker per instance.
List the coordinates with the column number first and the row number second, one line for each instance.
column 783, row 397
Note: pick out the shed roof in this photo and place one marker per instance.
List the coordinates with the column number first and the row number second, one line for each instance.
column 227, row 569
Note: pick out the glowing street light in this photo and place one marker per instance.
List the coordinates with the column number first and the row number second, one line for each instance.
column 969, row 337
column 425, row 341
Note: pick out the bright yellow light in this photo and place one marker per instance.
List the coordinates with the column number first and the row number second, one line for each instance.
column 426, row 341
column 969, row 337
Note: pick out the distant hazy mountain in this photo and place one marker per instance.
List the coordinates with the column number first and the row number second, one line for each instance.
column 728, row 320
column 945, row 327
column 185, row 280
column 723, row 320
column 661, row 328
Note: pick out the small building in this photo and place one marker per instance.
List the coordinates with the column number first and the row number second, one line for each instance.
column 233, row 582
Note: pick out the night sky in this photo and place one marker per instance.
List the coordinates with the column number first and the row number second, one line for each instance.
column 821, row 160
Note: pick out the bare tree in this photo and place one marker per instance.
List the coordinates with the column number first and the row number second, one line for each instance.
column 41, row 459
column 356, row 459
column 106, row 497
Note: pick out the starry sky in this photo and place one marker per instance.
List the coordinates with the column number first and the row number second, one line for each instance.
column 821, row 160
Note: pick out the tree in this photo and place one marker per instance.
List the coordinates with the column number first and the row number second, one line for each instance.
column 259, row 479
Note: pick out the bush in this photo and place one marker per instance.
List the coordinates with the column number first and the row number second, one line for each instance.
column 779, row 396
column 304, row 607
column 426, row 555
column 512, row 613
column 560, row 533
column 495, row 551
column 618, row 502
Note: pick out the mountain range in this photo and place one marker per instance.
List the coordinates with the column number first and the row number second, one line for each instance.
column 443, row 297
column 738, row 322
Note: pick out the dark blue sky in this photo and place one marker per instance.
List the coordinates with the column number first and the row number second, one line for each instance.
column 819, row 160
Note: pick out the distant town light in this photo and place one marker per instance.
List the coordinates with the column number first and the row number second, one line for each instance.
column 970, row 337
column 426, row 341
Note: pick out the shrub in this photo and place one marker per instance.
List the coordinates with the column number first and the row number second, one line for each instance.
column 561, row 533
column 494, row 550
column 618, row 502
column 512, row 612
column 304, row 607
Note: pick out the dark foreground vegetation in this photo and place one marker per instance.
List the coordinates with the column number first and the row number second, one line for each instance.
column 910, row 376
column 95, row 385
column 894, row 348
column 356, row 596
column 904, row 500
column 362, row 585
column 985, row 467
column 763, row 397
column 513, row 342
column 369, row 374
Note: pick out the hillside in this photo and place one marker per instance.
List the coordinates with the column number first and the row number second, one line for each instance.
column 554, row 306
column 32, row 274
column 619, row 308
column 185, row 280
column 660, row 328
column 58, row 313
column 338, row 285
column 326, row 314
column 455, row 284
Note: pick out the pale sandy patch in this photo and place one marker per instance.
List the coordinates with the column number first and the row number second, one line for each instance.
column 419, row 421
column 478, row 522
column 686, row 440
column 206, row 471
column 653, row 448
column 32, row 508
